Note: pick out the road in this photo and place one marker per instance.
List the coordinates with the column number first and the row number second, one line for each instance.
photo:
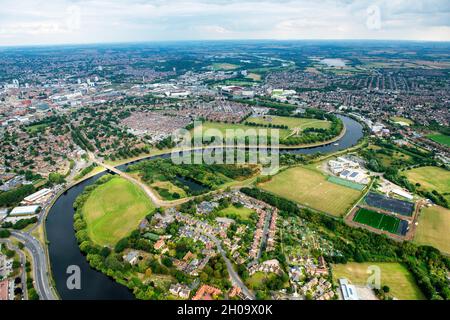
column 150, row 193
column 40, row 266
column 235, row 279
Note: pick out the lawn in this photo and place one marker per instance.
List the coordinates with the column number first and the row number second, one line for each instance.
column 377, row 220
column 258, row 278
column 431, row 178
column 433, row 228
column 310, row 187
column 291, row 122
column 230, row 212
column 394, row 275
column 114, row 209
column 222, row 127
column 224, row 66
column 403, row 121
column 440, row 138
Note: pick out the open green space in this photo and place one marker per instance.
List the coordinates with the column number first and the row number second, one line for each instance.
column 377, row 220
column 440, row 138
column 232, row 212
column 114, row 209
column 291, row 122
column 433, row 228
column 168, row 191
column 224, row 66
column 346, row 183
column 310, row 187
column 394, row 275
column 210, row 128
column 402, row 121
column 431, row 178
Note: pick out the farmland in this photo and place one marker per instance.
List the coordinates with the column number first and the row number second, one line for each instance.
column 114, row 209
column 434, row 224
column 394, row 275
column 310, row 187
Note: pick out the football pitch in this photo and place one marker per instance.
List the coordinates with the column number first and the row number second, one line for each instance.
column 377, row 220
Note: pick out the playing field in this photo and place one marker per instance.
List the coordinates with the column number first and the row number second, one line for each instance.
column 402, row 120
column 114, row 209
column 394, row 275
column 209, row 129
column 377, row 220
column 440, row 138
column 431, row 178
column 434, row 227
column 230, row 212
column 292, row 123
column 310, row 187
column 224, row 66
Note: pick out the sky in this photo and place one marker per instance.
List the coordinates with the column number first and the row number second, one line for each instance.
column 36, row 22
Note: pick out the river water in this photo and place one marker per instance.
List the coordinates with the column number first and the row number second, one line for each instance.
column 63, row 247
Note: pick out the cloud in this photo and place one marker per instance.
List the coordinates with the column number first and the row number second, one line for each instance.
column 78, row 21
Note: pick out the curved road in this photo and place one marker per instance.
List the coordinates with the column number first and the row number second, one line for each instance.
column 40, row 267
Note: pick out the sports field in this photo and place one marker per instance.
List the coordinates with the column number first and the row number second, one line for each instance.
column 377, row 220
column 394, row 275
column 292, row 123
column 431, row 178
column 434, row 227
column 310, row 187
column 440, row 138
column 402, row 120
column 222, row 127
column 224, row 66
column 114, row 209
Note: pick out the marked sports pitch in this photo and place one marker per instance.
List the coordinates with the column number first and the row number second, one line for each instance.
column 377, row 220
column 309, row 187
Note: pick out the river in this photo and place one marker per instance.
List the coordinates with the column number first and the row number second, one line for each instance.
column 63, row 247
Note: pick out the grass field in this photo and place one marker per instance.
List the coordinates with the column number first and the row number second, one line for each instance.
column 440, row 138
column 433, row 228
column 170, row 187
column 292, row 123
column 254, row 76
column 295, row 125
column 222, row 127
column 402, row 120
column 310, row 187
column 431, row 178
column 224, row 66
column 114, row 209
column 394, row 275
column 377, row 220
column 243, row 213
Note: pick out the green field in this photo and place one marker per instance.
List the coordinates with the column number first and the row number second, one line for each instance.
column 394, row 275
column 402, row 120
column 232, row 212
column 346, row 183
column 310, row 187
column 114, row 209
column 431, row 178
column 433, row 228
column 292, row 123
column 224, row 66
column 166, row 189
column 440, row 138
column 208, row 128
column 377, row 220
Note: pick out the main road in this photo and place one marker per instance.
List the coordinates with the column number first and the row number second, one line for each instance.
column 40, row 266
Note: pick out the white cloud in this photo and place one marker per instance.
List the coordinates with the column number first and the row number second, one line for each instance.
column 77, row 21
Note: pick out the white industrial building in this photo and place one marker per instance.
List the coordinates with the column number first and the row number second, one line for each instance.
column 38, row 197
column 348, row 290
column 24, row 211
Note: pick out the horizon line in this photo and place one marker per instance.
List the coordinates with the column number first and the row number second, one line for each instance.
column 215, row 40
